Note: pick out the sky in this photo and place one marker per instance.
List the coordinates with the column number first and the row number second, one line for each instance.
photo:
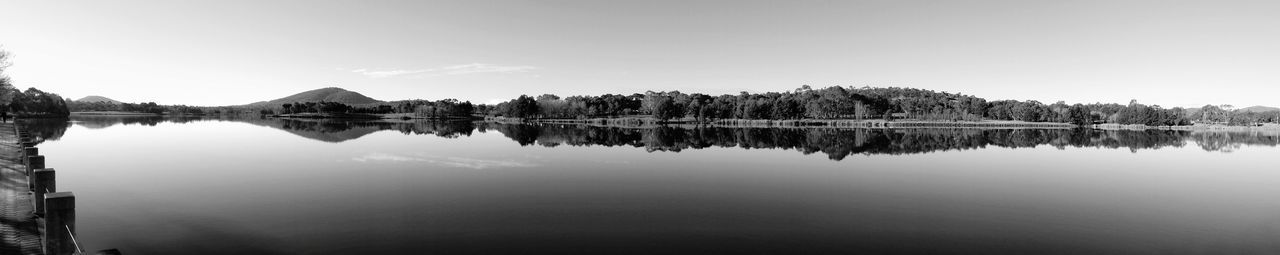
column 213, row 53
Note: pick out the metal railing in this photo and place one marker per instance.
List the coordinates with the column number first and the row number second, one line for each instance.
column 73, row 239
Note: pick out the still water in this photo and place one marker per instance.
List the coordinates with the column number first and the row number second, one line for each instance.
column 269, row 186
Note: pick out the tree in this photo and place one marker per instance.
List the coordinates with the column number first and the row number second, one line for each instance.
column 837, row 103
column 1026, row 111
column 1001, row 110
column 664, row 108
column 7, row 91
column 522, row 107
column 1079, row 115
column 830, row 103
column 787, row 108
column 36, row 103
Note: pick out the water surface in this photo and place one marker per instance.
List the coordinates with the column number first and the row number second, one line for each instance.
column 270, row 186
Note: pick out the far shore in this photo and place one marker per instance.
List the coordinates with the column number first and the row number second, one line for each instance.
column 1196, row 127
column 853, row 123
column 397, row 116
column 644, row 121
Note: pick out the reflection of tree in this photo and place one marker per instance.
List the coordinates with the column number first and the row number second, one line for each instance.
column 328, row 130
column 1229, row 141
column 836, row 143
column 104, row 121
column 45, row 129
column 839, row 143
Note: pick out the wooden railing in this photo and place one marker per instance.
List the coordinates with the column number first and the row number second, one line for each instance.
column 57, row 209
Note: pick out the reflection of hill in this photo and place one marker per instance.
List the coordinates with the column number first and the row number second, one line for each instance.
column 334, row 136
column 335, row 130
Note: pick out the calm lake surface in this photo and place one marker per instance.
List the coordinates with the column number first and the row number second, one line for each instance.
column 149, row 185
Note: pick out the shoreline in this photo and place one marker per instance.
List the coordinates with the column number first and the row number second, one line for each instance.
column 114, row 114
column 133, row 114
column 849, row 123
column 360, row 116
column 640, row 122
column 1197, row 127
column 16, row 207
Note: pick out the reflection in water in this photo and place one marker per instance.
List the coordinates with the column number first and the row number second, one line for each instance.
column 329, row 130
column 45, row 129
column 1229, row 141
column 104, row 121
column 446, row 161
column 836, row 143
column 841, row 142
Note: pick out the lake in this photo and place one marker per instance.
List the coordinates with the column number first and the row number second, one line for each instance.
column 152, row 185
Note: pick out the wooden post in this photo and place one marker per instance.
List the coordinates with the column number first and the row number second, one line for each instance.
column 59, row 223
column 33, row 163
column 28, row 151
column 45, row 183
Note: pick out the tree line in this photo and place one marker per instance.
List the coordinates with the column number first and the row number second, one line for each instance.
column 31, row 102
column 146, row 107
column 856, row 103
column 447, row 108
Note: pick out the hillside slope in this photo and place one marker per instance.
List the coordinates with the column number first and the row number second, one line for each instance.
column 330, row 94
column 1260, row 109
column 95, row 99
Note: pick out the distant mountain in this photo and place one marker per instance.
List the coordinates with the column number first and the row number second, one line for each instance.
column 1260, row 109
column 330, row 94
column 95, row 99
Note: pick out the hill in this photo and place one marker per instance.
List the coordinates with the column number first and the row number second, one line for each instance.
column 96, row 99
column 1259, row 109
column 330, row 94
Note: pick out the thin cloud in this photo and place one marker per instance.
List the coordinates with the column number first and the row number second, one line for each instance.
column 383, row 157
column 385, row 73
column 473, row 68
